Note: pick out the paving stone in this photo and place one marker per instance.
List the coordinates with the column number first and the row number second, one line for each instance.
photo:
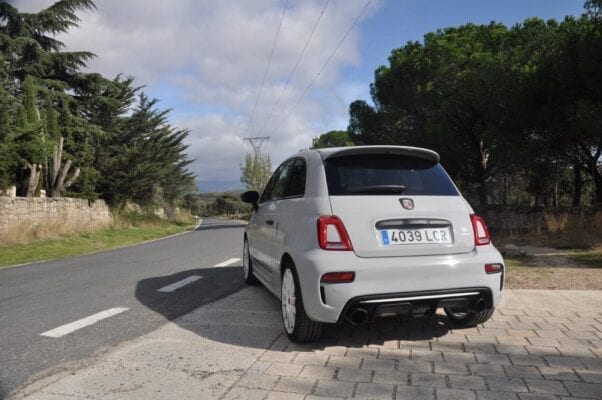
column 390, row 377
column 536, row 396
column 258, row 381
column 590, row 376
column 363, row 352
column 466, row 382
column 522, row 371
column 570, row 362
column 487, row 358
column 334, row 389
column 506, row 384
column 374, row 391
column 313, row 372
column 586, row 390
column 453, row 356
column 450, row 368
column 310, row 359
column 447, row 347
column 455, row 394
column 415, row 366
column 284, row 369
column 344, row 362
column 481, row 339
column 240, row 393
column 529, row 360
column 513, row 340
column 486, row 370
column 543, row 341
column 487, row 395
column 511, row 349
column 413, row 344
column 545, row 386
column 312, row 397
column 594, row 364
column 451, row 338
column 558, row 373
column 278, row 356
column 581, row 352
column 259, row 367
column 422, row 355
column 295, row 385
column 374, row 363
column 542, row 350
column 581, row 335
column 428, row 380
column 554, row 332
column 285, row 396
column 480, row 348
column 394, row 354
column 414, row 393
column 354, row 375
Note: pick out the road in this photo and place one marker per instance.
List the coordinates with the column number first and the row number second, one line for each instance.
column 65, row 310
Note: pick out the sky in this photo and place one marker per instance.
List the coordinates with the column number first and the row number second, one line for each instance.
column 209, row 61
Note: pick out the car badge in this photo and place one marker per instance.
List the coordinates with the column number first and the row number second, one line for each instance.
column 408, row 204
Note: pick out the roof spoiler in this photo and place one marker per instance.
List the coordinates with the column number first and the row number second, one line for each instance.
column 416, row 152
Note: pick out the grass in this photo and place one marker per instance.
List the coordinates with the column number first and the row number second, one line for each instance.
column 128, row 230
column 591, row 258
column 522, row 274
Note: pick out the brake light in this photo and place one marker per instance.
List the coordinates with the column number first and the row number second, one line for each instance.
column 481, row 233
column 494, row 268
column 332, row 234
column 338, row 277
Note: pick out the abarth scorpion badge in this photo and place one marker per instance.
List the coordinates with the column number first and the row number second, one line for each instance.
column 408, row 204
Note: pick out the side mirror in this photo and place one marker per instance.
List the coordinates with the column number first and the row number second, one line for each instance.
column 251, row 197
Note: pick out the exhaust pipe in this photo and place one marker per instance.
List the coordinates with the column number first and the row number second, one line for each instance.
column 357, row 316
column 478, row 305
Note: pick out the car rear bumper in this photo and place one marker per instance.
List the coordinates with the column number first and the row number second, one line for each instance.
column 390, row 284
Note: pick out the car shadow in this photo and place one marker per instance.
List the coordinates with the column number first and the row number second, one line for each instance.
column 218, row 283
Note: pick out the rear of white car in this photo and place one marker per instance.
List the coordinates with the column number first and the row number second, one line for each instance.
column 397, row 239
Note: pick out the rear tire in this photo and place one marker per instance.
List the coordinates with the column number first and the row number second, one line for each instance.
column 470, row 318
column 297, row 325
column 247, row 265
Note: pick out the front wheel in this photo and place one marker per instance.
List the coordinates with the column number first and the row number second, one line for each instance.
column 470, row 318
column 298, row 326
column 247, row 266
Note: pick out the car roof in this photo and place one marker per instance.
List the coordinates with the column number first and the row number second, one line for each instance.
column 418, row 152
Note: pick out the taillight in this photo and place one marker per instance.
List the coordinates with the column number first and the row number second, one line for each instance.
column 494, row 268
column 481, row 233
column 332, row 234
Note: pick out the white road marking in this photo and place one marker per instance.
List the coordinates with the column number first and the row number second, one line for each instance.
column 179, row 284
column 227, row 262
column 82, row 323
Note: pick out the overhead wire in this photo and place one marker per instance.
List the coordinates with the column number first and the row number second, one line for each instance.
column 290, row 75
column 267, row 68
column 315, row 78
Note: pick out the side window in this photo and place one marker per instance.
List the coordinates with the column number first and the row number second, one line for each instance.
column 268, row 192
column 295, row 186
column 281, row 182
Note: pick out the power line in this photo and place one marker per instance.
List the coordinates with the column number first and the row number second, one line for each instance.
column 290, row 76
column 308, row 88
column 267, row 68
column 256, row 143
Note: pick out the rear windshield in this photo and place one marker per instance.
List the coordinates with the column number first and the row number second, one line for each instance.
column 386, row 174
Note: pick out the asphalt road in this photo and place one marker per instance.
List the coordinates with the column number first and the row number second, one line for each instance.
column 119, row 288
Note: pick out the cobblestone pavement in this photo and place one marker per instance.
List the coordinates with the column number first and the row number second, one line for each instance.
column 540, row 344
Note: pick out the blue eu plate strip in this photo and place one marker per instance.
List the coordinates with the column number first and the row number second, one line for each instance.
column 385, row 236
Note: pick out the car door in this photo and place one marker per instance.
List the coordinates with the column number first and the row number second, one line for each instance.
column 261, row 227
column 287, row 211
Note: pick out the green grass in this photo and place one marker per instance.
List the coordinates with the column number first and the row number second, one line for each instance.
column 131, row 232
column 591, row 258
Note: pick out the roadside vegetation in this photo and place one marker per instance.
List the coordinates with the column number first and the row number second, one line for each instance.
column 128, row 229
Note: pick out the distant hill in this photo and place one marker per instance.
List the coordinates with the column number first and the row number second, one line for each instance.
column 218, row 186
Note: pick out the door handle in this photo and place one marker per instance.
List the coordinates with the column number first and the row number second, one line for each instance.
column 269, row 221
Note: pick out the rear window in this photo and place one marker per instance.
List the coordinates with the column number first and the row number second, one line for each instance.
column 386, row 174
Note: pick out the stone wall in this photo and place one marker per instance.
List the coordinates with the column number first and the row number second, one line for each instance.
column 23, row 219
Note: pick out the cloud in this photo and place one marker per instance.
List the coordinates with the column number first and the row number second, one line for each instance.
column 206, row 59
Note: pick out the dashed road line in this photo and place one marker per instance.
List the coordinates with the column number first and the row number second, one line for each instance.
column 176, row 285
column 227, row 262
column 82, row 323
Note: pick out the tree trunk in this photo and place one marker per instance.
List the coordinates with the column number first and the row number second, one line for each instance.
column 60, row 174
column 35, row 171
column 598, row 190
column 577, row 184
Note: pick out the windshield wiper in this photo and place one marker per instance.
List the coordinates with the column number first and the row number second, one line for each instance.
column 380, row 189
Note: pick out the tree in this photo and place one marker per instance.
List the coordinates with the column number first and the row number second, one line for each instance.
column 256, row 171
column 332, row 139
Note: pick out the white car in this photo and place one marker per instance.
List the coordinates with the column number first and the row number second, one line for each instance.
column 357, row 233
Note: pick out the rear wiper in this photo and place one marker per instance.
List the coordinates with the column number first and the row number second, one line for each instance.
column 378, row 189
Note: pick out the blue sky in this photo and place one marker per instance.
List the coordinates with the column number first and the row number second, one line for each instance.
column 205, row 59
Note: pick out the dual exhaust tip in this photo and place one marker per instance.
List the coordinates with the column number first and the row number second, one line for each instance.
column 359, row 315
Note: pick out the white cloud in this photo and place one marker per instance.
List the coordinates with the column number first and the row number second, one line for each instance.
column 211, row 55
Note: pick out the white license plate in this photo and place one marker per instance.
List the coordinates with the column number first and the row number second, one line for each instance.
column 416, row 236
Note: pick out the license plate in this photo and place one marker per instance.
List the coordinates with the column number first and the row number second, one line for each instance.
column 416, row 236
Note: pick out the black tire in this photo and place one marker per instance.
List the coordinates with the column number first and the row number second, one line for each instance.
column 304, row 330
column 469, row 319
column 247, row 268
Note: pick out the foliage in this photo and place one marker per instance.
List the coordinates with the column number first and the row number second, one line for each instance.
column 120, row 140
column 332, row 139
column 256, row 171
column 520, row 105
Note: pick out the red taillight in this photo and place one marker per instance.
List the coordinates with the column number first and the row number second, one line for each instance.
column 481, row 233
column 494, row 268
column 332, row 234
column 338, row 277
